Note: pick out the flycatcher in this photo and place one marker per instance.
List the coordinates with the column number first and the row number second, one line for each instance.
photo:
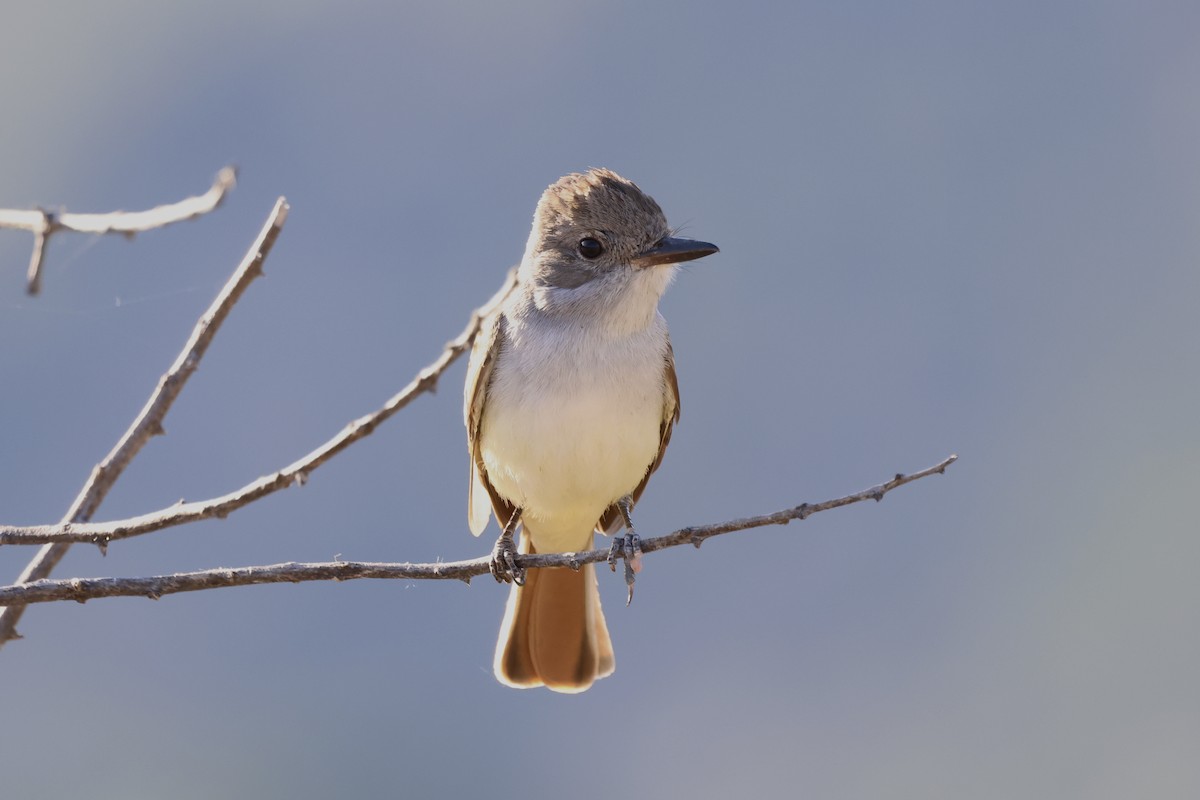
column 570, row 401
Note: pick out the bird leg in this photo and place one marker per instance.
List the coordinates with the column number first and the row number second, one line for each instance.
column 627, row 547
column 503, row 564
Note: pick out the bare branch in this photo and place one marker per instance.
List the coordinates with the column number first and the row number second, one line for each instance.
column 102, row 533
column 83, row 589
column 43, row 224
column 149, row 422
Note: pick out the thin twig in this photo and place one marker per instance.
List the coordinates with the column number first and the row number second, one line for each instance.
column 101, row 533
column 83, row 589
column 43, row 224
column 149, row 422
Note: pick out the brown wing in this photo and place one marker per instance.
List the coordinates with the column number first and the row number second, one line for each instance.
column 610, row 521
column 482, row 499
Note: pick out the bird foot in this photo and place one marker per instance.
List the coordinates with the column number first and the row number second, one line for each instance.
column 629, row 549
column 504, row 561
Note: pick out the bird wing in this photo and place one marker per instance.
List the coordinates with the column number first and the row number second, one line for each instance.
column 481, row 496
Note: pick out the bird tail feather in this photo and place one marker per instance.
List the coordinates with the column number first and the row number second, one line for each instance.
column 553, row 633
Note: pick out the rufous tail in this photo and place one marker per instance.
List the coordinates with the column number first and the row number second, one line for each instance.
column 553, row 633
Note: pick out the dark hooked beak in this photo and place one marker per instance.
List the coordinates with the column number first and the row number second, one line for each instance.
column 672, row 251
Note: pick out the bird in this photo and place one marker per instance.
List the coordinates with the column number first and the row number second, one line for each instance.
column 570, row 401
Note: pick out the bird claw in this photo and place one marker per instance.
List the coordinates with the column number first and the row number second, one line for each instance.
column 629, row 549
column 629, row 546
column 503, row 565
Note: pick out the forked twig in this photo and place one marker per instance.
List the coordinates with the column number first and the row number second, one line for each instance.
column 43, row 223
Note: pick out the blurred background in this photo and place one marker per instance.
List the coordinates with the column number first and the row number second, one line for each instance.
column 944, row 227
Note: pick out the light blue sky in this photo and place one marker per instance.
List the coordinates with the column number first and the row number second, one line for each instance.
column 945, row 227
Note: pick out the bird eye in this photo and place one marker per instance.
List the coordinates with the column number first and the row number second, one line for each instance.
column 590, row 248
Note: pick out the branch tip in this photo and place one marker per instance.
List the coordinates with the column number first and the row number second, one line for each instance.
column 226, row 179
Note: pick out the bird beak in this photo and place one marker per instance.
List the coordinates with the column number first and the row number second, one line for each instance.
column 672, row 251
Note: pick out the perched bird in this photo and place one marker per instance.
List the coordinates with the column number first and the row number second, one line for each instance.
column 570, row 401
